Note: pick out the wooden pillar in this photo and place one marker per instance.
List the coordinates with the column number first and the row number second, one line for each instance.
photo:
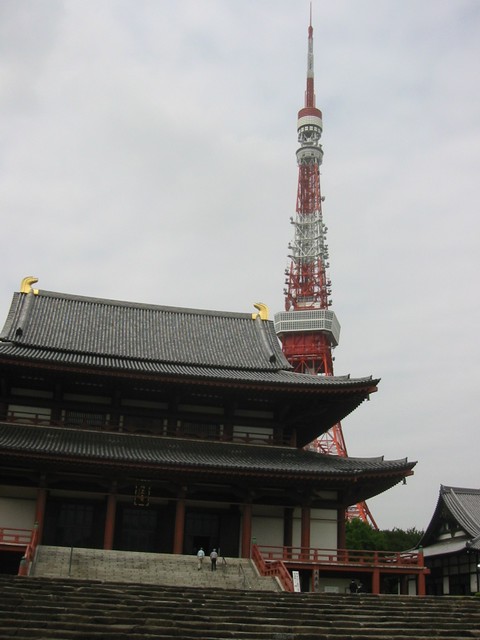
column 341, row 529
column 179, row 525
column 40, row 510
column 246, row 530
column 110, row 517
column 376, row 582
column 421, row 586
column 288, row 530
column 305, row 529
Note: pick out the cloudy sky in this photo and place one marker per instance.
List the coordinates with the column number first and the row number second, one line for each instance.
column 147, row 153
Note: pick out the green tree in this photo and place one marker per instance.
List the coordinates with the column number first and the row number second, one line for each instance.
column 399, row 540
column 360, row 535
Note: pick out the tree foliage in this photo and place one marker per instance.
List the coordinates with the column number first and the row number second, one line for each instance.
column 360, row 535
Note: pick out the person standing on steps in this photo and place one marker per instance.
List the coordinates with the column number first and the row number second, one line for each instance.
column 213, row 558
column 200, row 556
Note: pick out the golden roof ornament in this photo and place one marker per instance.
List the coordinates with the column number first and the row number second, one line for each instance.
column 263, row 311
column 26, row 285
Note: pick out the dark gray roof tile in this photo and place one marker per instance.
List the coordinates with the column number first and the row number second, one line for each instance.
column 64, row 323
column 463, row 506
column 154, row 340
column 165, row 453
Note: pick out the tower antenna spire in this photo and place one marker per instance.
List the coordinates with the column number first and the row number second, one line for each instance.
column 308, row 328
column 310, row 92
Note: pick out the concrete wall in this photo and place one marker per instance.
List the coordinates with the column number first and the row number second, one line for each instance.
column 332, row 584
column 323, row 528
column 267, row 525
column 17, row 513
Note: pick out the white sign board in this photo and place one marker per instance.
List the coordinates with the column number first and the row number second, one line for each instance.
column 296, row 581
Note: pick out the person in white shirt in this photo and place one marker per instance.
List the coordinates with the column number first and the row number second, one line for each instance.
column 213, row 558
column 200, row 556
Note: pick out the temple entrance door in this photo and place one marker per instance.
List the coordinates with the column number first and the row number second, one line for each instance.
column 201, row 530
column 460, row 585
column 212, row 530
column 136, row 529
column 73, row 523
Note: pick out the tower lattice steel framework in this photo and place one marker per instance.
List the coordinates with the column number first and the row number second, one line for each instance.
column 308, row 328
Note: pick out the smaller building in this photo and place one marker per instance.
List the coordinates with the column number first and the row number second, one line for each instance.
column 451, row 543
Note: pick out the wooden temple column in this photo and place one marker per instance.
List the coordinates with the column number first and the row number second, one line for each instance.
column 246, row 530
column 179, row 532
column 341, row 528
column 305, row 529
column 376, row 581
column 288, row 530
column 110, row 517
column 421, row 583
column 40, row 509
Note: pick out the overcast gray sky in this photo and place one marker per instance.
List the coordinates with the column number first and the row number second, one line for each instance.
column 147, row 153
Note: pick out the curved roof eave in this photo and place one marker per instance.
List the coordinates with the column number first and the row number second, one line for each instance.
column 190, row 456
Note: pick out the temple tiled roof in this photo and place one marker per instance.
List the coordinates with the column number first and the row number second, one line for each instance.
column 89, row 447
column 462, row 506
column 92, row 326
column 135, row 338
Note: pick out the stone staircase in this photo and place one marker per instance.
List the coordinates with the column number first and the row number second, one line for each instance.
column 152, row 568
column 70, row 609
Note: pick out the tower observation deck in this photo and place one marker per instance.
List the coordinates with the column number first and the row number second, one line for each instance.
column 308, row 329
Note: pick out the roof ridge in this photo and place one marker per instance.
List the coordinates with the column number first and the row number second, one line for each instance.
column 445, row 489
column 145, row 305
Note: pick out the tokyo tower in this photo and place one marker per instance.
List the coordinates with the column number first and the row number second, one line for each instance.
column 308, row 328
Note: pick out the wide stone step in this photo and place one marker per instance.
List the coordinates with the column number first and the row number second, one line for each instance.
column 80, row 626
column 147, row 568
column 72, row 609
column 50, row 634
column 87, row 613
column 94, row 603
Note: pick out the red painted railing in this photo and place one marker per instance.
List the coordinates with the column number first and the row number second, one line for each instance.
column 341, row 557
column 277, row 561
column 272, row 568
column 15, row 537
column 26, row 561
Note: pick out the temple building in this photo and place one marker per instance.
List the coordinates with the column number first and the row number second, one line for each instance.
column 451, row 543
column 150, row 428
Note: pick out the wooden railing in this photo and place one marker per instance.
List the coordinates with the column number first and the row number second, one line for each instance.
column 27, row 560
column 28, row 417
column 272, row 568
column 340, row 557
column 24, row 539
column 279, row 561
column 243, row 436
column 15, row 537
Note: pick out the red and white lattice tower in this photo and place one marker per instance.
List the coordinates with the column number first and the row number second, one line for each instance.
column 308, row 328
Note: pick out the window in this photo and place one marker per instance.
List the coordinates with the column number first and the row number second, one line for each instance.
column 85, row 419
column 200, row 429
